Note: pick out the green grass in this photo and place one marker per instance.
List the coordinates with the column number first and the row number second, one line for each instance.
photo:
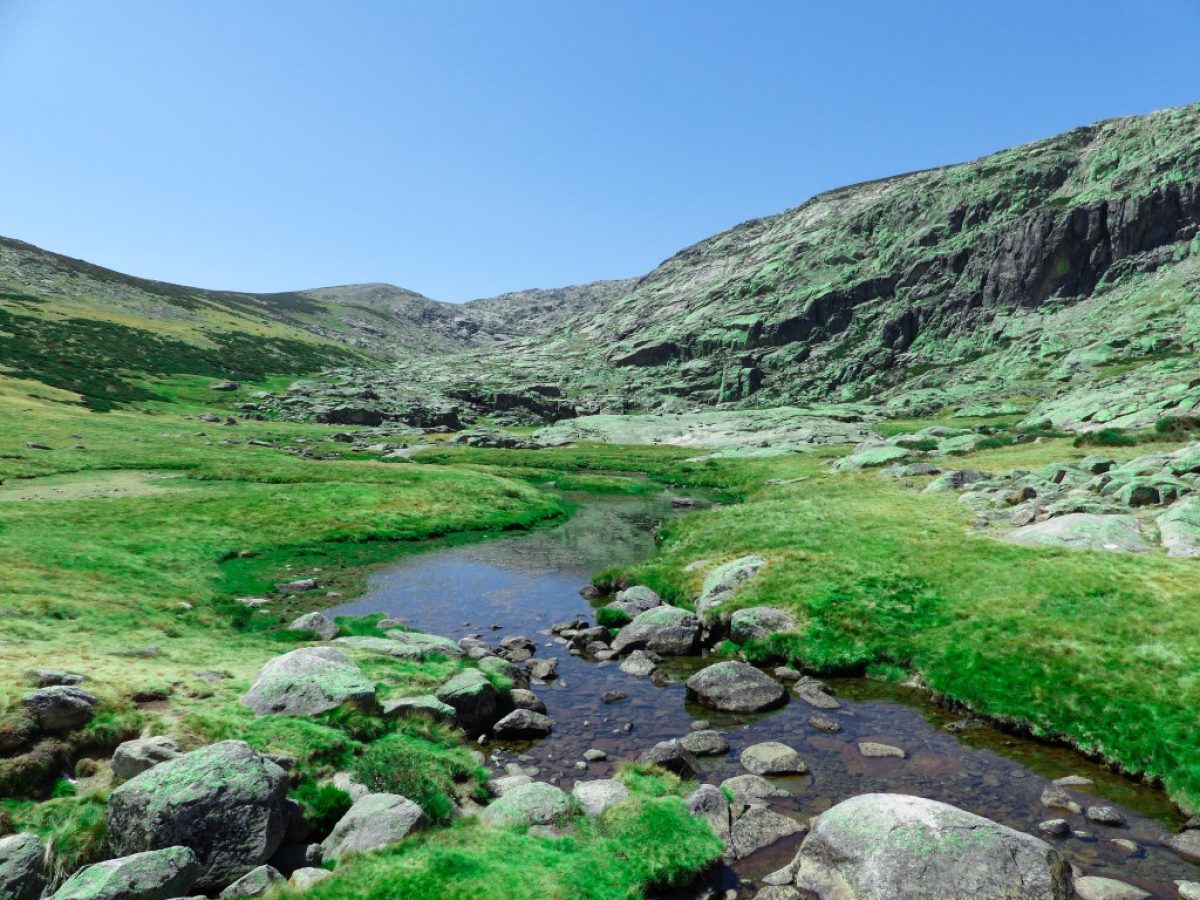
column 648, row 843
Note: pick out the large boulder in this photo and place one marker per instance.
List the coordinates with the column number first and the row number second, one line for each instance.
column 421, row 705
column 22, row 867
column 1084, row 531
column 476, row 701
column 60, row 707
column 225, row 802
column 135, row 757
column 309, row 681
column 374, row 821
column 536, row 803
column 153, row 875
column 889, row 846
column 721, row 583
column 758, row 622
column 673, row 756
column 736, row 687
column 668, row 630
column 635, row 600
column 1179, row 528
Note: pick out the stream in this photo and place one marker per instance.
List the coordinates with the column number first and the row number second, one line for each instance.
column 525, row 583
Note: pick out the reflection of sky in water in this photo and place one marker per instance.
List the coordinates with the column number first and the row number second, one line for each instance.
column 527, row 582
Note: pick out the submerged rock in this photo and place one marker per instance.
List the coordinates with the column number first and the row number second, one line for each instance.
column 888, row 846
column 736, row 687
column 309, row 681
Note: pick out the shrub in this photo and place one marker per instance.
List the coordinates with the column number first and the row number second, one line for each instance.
column 1105, row 437
column 612, row 618
column 1177, row 425
column 323, row 804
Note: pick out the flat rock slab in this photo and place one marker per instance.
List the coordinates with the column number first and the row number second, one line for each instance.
column 1084, row 531
column 888, row 846
column 736, row 687
column 308, row 682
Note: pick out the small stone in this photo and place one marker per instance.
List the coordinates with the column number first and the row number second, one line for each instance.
column 1105, row 815
column 594, row 755
column 875, row 750
column 822, row 722
column 1055, row 827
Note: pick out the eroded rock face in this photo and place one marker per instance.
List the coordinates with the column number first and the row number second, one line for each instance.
column 22, row 870
column 668, row 630
column 224, row 802
column 307, row 682
column 736, row 687
column 373, row 822
column 153, row 875
column 889, row 846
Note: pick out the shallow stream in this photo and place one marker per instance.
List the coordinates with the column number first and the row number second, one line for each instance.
column 525, row 583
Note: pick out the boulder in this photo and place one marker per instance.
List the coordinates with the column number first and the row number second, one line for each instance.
column 870, row 456
column 225, row 802
column 543, row 669
column 303, row 879
column 886, row 846
column 60, row 707
column 536, row 803
column 315, row 623
column 51, row 677
column 1186, row 844
column 721, row 583
column 705, row 742
column 772, row 758
column 758, row 622
column 876, row 750
column 759, row 827
column 135, row 757
column 254, row 883
column 598, row 796
column 307, row 682
column 1105, row 815
column 638, row 663
column 374, row 821
column 672, row 756
column 522, row 724
column 423, row 704
column 22, row 867
column 751, row 790
column 639, row 598
column 735, row 687
column 410, row 645
column 668, row 630
column 476, row 701
column 525, row 699
column 1084, row 531
column 1092, row 887
column 505, row 783
column 1179, row 528
column 152, row 875
column 710, row 804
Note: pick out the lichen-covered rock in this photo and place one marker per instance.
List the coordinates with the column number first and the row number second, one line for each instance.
column 751, row 790
column 709, row 803
column 152, row 875
column 22, row 867
column 1179, row 528
column 1093, row 887
column 423, row 704
column 522, row 724
column 722, row 582
column 60, row 707
column 758, row 622
column 672, row 756
column 737, row 687
column 374, row 821
column 772, row 758
column 1084, row 531
column 135, row 757
column 315, row 623
column 303, row 879
column 637, row 599
column 759, row 827
column 668, row 630
column 705, row 742
column 309, row 681
column 225, row 802
column 475, row 700
column 886, row 846
column 254, row 883
column 411, row 645
column 596, row 797
column 869, row 456
column 536, row 803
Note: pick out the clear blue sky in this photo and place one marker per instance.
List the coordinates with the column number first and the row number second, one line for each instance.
column 463, row 149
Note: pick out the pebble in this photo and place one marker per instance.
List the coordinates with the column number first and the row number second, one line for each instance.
column 1105, row 815
column 594, row 755
column 1054, row 827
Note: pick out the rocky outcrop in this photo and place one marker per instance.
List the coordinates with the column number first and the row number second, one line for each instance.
column 884, row 846
column 1085, row 531
column 224, row 802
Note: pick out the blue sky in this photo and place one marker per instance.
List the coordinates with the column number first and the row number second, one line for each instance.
column 463, row 149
